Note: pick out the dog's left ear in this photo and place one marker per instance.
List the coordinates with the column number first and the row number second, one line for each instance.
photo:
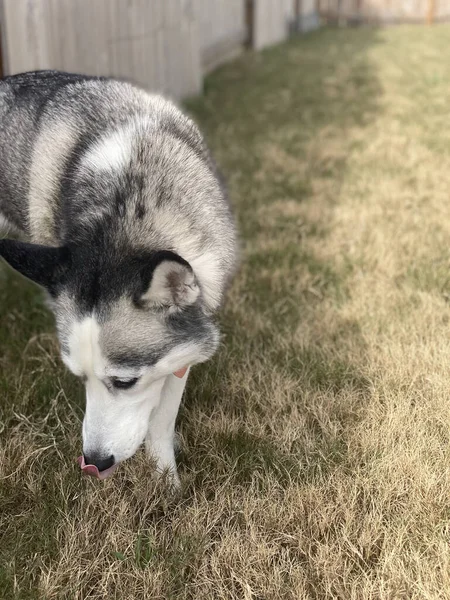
column 173, row 283
column 44, row 265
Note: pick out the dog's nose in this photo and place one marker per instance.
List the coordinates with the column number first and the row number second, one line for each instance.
column 101, row 463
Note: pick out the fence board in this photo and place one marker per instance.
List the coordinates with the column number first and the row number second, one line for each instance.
column 274, row 19
column 221, row 29
column 309, row 18
column 271, row 21
column 384, row 11
column 152, row 43
column 303, row 15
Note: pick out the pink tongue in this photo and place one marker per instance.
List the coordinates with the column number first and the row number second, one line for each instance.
column 93, row 471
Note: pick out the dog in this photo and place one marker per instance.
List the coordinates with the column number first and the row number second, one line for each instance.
column 124, row 220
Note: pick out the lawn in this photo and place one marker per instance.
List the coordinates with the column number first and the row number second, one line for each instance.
column 315, row 447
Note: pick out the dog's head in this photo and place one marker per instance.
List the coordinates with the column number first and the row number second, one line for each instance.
column 126, row 320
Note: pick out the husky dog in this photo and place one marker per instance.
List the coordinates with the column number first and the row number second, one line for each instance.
column 126, row 224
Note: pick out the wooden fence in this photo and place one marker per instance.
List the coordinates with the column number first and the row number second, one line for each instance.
column 164, row 45
column 168, row 45
column 152, row 43
column 272, row 21
column 385, row 11
column 222, row 30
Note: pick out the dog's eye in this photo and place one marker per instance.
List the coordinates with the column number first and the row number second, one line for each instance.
column 123, row 384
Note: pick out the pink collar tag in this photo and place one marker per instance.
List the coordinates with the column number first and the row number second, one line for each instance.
column 181, row 372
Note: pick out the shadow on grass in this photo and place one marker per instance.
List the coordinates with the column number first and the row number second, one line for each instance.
column 280, row 124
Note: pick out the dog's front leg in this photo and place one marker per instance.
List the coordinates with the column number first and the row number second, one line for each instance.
column 160, row 436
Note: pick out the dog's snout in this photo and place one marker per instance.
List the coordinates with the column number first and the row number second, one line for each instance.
column 101, row 463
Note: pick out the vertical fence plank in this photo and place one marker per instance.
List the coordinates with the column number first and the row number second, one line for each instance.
column 221, row 29
column 270, row 24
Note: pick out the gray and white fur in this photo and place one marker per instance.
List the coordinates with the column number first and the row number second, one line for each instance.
column 127, row 225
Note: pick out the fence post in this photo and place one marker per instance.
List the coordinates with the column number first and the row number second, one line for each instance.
column 298, row 15
column 431, row 11
column 249, row 22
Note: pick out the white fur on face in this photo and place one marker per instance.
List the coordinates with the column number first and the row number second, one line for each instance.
column 115, row 421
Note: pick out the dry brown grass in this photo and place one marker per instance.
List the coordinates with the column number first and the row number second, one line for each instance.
column 315, row 447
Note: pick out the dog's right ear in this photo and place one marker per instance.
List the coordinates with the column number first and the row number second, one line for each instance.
column 44, row 265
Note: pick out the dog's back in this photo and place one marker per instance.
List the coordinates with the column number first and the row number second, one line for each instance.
column 85, row 158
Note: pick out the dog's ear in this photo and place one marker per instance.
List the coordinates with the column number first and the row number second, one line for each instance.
column 44, row 265
column 173, row 283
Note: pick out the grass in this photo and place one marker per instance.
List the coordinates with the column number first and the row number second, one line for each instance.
column 315, row 447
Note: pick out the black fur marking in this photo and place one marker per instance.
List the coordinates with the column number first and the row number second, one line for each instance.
column 44, row 265
column 120, row 202
column 102, row 272
column 188, row 324
column 70, row 188
column 140, row 210
column 135, row 360
column 189, row 138
column 164, row 192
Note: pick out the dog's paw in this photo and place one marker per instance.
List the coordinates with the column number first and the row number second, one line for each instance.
column 168, row 478
column 163, row 458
